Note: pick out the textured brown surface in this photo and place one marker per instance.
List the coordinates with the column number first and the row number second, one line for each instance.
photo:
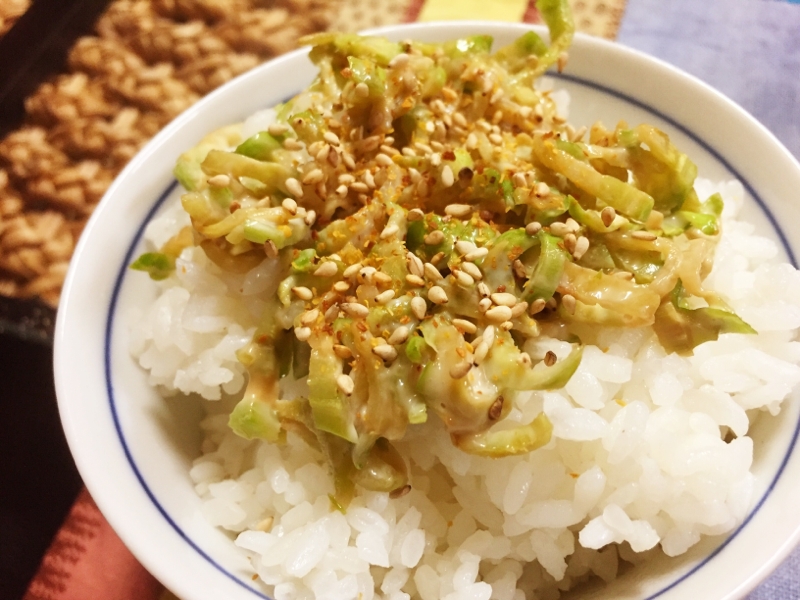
column 10, row 11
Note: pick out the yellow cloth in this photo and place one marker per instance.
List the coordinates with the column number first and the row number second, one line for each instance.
column 489, row 10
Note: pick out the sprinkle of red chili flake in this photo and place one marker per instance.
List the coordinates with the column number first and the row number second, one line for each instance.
column 263, row 338
column 361, row 326
column 448, row 155
column 501, row 289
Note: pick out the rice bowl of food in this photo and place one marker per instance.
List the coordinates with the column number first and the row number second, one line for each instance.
column 426, row 328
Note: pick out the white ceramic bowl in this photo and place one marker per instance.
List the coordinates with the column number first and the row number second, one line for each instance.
column 134, row 449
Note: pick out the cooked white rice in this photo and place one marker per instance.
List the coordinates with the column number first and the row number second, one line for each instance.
column 637, row 460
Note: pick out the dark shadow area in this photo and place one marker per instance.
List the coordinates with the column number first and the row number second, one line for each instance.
column 38, row 479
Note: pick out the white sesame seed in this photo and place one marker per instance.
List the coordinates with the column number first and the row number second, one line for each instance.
column 220, row 180
column 472, row 141
column 643, row 235
column 359, row 187
column 354, row 309
column 437, row 146
column 458, row 210
column 302, row 292
column 573, row 225
column 447, row 176
column 289, row 206
column 385, row 352
column 292, row 144
column 390, row 150
column 465, row 326
column 437, row 295
column 348, row 160
column 369, row 179
column 345, row 384
column 351, row 270
column 309, row 317
column 506, row 325
column 498, row 314
column 429, row 126
column 361, row 90
column 277, row 129
column 341, row 286
column 460, row 369
column 408, row 152
column 483, row 125
column 476, row 254
column 327, row 269
column 542, row 190
column 310, row 218
column 422, row 147
column 342, row 351
column 569, row 242
column 389, row 231
column 569, row 303
column 488, row 335
column 414, row 264
column 302, row 333
column 463, row 279
column 342, row 190
column 525, row 111
column 518, row 179
column 434, row 238
column 559, row 229
column 331, row 138
column 313, row 176
column 315, row 147
column 519, row 309
column 382, row 278
column 459, row 119
column 346, row 179
column 519, row 269
column 419, row 307
column 504, row 299
column 537, row 306
column 367, row 274
column 399, row 335
column 415, row 214
column 270, row 249
column 436, row 159
column 472, row 270
column 484, row 290
column 322, row 155
column 399, row 60
column 384, row 297
column 432, row 272
column 608, row 214
column 481, row 350
column 415, row 280
column 384, row 160
column 496, row 95
column 294, row 187
column 496, row 138
column 332, row 313
column 422, row 188
column 581, row 246
column 484, row 305
column 464, row 246
column 533, row 228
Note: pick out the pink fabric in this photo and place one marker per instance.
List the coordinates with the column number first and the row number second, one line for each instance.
column 87, row 561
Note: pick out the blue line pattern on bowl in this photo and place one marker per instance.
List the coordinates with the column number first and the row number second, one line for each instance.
column 590, row 84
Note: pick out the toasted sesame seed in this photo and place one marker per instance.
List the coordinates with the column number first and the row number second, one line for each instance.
column 519, row 269
column 366, row 274
column 302, row 333
column 484, row 290
column 533, row 228
column 481, row 350
column 342, row 190
column 270, row 249
column 415, row 214
column 322, row 155
column 369, row 179
column 351, row 270
column 348, row 160
column 422, row 188
column 361, row 90
column 559, row 229
column 464, row 326
column 463, row 279
column 484, row 305
column 434, row 238
column 313, row 176
column 464, row 246
column 345, row 384
column 341, row 286
column 644, row 235
column 431, row 272
column 525, row 111
column 437, row 146
column 310, row 218
column 414, row 264
column 359, row 187
column 429, row 126
column 471, row 270
column 537, row 306
column 302, row 292
column 342, row 351
column 519, row 309
column 309, row 317
column 384, row 160
column 384, row 297
column 277, row 129
column 390, row 150
column 399, row 335
column 389, row 231
column 331, row 138
column 415, row 280
column 382, row 278
column 572, row 225
column 504, row 299
column 581, row 246
column 354, row 309
column 220, row 180
column 506, row 325
column 472, row 141
column 449, row 94
column 292, row 144
column 542, row 190
column 327, row 269
column 289, row 205
column 476, row 254
column 569, row 303
column 563, row 58
column 294, row 187
column 550, row 358
column 437, row 295
column 422, row 147
column 436, row 258
column 496, row 138
column 419, row 307
column 447, row 178
column 569, row 242
column 436, row 159
column 623, row 275
column 488, row 335
column 460, row 369
column 385, row 352
column 518, row 179
column 498, row 314
column 496, row 95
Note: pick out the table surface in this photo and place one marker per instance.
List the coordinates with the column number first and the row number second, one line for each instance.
column 747, row 49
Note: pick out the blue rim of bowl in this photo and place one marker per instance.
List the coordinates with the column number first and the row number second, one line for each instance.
column 571, row 78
